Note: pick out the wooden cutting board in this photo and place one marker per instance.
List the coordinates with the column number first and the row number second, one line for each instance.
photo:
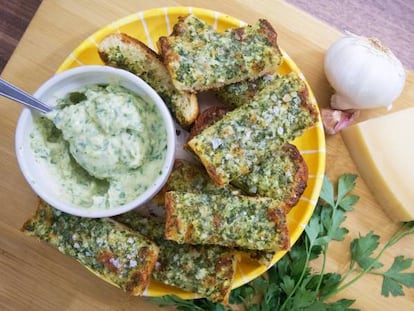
column 37, row 277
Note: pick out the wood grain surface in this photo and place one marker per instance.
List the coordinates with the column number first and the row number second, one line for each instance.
column 36, row 277
column 14, row 18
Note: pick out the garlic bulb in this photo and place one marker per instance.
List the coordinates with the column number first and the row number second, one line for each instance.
column 364, row 73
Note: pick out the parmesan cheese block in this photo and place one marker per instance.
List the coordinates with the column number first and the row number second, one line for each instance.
column 383, row 151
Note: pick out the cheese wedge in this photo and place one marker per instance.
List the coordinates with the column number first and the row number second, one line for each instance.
column 383, row 151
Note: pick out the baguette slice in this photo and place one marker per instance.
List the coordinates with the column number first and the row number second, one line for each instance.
column 232, row 146
column 207, row 270
column 122, row 51
column 110, row 250
column 255, row 223
column 281, row 175
column 199, row 58
column 190, row 177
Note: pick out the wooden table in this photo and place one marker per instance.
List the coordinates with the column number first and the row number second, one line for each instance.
column 37, row 277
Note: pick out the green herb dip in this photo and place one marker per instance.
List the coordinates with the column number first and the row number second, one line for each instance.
column 105, row 144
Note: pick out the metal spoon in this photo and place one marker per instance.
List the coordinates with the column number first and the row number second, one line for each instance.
column 14, row 93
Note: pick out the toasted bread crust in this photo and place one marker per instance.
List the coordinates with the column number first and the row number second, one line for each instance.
column 122, row 51
column 165, row 50
column 304, row 96
column 300, row 178
column 172, row 223
column 268, row 30
column 124, row 38
column 198, row 58
column 278, row 216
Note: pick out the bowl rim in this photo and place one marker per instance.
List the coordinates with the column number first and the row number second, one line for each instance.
column 27, row 115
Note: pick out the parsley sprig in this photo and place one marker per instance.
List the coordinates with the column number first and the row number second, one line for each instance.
column 292, row 284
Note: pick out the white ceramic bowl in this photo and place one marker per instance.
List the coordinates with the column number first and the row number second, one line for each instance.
column 37, row 174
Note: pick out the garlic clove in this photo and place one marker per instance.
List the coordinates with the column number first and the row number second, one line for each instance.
column 336, row 120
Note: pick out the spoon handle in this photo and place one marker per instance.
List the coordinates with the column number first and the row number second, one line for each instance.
column 14, row 93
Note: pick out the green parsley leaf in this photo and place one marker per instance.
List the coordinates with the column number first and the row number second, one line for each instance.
column 332, row 222
column 362, row 249
column 394, row 279
column 346, row 183
column 188, row 305
column 313, row 230
column 241, row 294
column 341, row 305
column 171, row 300
column 348, row 202
column 327, row 192
column 303, row 298
column 330, row 282
column 288, row 285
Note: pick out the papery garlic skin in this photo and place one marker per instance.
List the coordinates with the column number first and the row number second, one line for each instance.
column 363, row 72
column 336, row 120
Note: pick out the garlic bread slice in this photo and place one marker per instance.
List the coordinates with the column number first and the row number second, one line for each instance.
column 232, row 146
column 199, row 58
column 206, row 270
column 110, row 250
column 255, row 223
column 123, row 51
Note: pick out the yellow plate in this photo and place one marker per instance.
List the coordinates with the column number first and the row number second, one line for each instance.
column 148, row 26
